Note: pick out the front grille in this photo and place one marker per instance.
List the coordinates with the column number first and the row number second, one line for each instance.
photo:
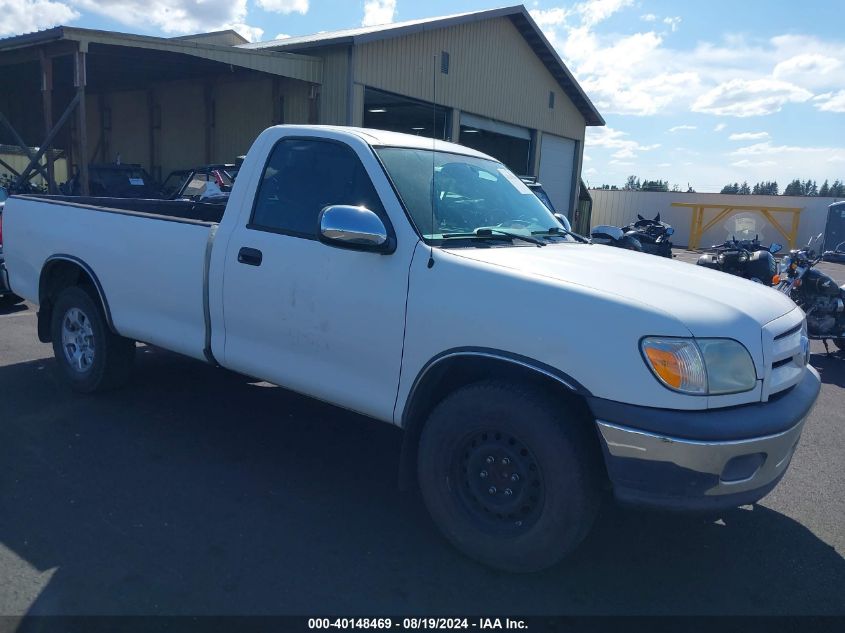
column 783, row 353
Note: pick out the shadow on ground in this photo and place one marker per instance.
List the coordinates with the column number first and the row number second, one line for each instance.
column 194, row 491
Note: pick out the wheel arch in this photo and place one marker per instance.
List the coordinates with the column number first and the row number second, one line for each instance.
column 456, row 368
column 61, row 271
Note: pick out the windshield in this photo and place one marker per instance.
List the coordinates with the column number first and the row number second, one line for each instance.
column 174, row 183
column 468, row 194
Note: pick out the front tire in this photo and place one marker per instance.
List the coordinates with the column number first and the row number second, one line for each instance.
column 91, row 357
column 508, row 476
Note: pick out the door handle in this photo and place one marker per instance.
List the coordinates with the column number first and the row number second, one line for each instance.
column 250, row 256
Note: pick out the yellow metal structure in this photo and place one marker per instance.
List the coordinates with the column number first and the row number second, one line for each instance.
column 698, row 228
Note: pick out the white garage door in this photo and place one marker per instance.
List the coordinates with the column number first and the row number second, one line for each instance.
column 557, row 162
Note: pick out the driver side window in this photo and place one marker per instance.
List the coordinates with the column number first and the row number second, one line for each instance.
column 302, row 177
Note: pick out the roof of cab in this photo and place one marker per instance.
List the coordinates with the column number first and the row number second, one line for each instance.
column 385, row 138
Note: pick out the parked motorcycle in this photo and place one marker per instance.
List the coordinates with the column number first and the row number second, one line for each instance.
column 816, row 293
column 744, row 258
column 648, row 236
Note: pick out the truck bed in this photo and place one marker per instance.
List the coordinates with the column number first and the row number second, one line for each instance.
column 149, row 256
column 171, row 209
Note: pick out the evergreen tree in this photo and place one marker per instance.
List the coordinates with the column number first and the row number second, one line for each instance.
column 743, row 189
column 825, row 189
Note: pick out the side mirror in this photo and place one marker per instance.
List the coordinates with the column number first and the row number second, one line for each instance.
column 775, row 247
column 563, row 220
column 4, row 194
column 354, row 228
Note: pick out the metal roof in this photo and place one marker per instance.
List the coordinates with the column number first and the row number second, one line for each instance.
column 303, row 67
column 518, row 14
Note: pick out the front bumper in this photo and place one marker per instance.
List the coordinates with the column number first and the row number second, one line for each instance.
column 648, row 466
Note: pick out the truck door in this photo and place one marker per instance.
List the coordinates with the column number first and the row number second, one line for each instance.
column 320, row 320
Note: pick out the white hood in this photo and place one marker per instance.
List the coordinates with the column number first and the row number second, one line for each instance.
column 708, row 302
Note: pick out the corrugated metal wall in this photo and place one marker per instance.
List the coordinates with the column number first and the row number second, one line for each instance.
column 243, row 107
column 333, row 90
column 493, row 72
column 618, row 208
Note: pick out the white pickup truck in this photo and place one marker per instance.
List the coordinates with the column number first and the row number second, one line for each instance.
column 422, row 284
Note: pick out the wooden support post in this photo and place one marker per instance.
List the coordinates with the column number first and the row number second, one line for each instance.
column 24, row 147
column 151, row 122
column 47, row 106
column 793, row 233
column 80, row 82
column 208, row 100
column 34, row 162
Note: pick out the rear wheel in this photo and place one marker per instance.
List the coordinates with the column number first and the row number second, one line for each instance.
column 508, row 477
column 91, row 357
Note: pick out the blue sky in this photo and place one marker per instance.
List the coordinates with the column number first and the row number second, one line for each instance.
column 703, row 93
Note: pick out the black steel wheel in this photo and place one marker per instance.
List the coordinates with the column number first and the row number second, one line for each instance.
column 509, row 475
column 502, row 484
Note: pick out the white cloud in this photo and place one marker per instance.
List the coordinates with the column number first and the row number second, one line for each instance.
column 664, row 164
column 803, row 155
column 831, row 102
column 283, row 6
column 282, row 36
column 595, row 11
column 678, row 128
column 26, row 16
column 549, row 17
column 748, row 136
column 719, row 127
column 378, row 12
column 750, row 163
column 673, row 22
column 176, row 16
column 251, row 33
column 805, row 63
column 744, row 98
column 610, row 138
column 648, row 17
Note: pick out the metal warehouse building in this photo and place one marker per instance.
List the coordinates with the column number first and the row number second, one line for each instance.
column 488, row 79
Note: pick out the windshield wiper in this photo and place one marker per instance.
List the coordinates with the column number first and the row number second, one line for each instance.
column 556, row 230
column 491, row 233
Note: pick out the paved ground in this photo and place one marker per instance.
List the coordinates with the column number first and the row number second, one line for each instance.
column 198, row 491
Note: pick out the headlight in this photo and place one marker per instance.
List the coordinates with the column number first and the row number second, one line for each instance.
column 700, row 366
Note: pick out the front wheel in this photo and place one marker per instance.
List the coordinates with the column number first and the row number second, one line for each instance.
column 508, row 477
column 91, row 357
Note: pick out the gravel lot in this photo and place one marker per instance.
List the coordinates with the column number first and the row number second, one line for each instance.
column 197, row 491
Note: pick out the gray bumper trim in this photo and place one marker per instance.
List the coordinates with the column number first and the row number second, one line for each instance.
column 706, row 457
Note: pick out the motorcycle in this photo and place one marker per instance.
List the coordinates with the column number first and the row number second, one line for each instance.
column 816, row 293
column 744, row 258
column 648, row 236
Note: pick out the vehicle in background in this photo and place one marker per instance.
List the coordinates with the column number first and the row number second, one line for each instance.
column 208, row 183
column 125, row 180
column 422, row 284
column 537, row 189
column 614, row 236
column 653, row 235
column 834, row 234
column 815, row 293
column 748, row 259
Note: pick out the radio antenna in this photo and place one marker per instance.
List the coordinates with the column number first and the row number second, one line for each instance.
column 433, row 150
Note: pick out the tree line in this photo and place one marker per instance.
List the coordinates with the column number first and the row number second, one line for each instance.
column 632, row 183
column 766, row 188
column 794, row 188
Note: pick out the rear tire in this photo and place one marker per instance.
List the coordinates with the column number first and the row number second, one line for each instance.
column 91, row 357
column 508, row 476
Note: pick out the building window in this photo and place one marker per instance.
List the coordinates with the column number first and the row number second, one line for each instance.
column 551, row 100
column 444, row 62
